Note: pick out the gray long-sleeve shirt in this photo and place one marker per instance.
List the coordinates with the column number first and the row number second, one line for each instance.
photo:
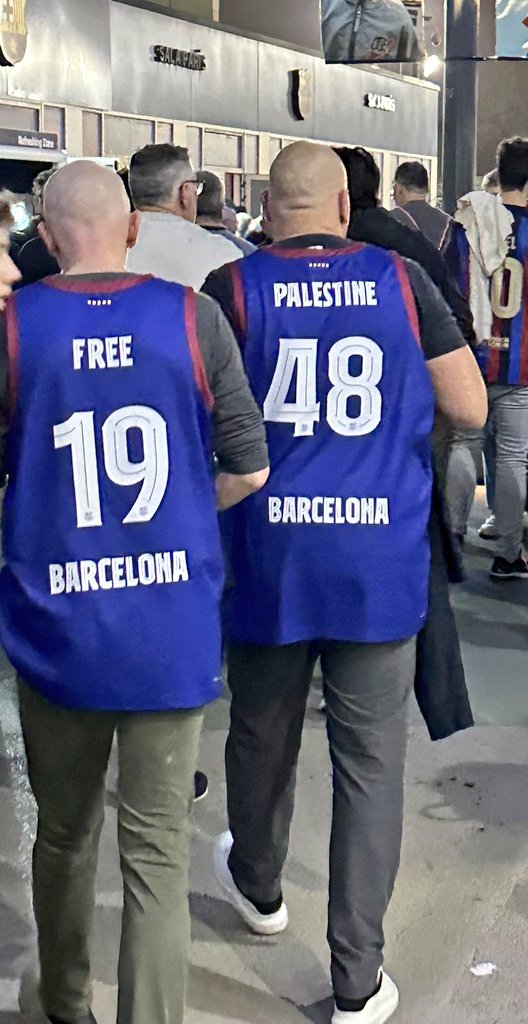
column 368, row 31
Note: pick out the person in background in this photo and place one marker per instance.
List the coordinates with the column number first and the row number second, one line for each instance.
column 170, row 244
column 371, row 223
column 29, row 252
column 210, row 211
column 503, row 357
column 411, row 192
column 19, row 238
column 123, row 380
column 9, row 273
column 490, row 182
column 479, row 246
column 319, row 322
column 229, row 219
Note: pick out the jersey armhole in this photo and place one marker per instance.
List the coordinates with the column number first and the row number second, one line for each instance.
column 408, row 297
column 13, row 351
column 193, row 342
column 239, row 303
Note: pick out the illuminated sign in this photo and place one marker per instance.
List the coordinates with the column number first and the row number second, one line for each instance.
column 376, row 101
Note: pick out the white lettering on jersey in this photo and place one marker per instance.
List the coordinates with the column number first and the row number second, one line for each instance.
column 118, row 573
column 102, row 354
column 324, row 294
column 329, row 510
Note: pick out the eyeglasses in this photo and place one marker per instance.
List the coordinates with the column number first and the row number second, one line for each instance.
column 193, row 181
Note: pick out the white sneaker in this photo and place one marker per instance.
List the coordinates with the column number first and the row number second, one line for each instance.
column 488, row 530
column 261, row 924
column 378, row 1009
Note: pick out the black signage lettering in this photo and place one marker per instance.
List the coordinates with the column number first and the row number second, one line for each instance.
column 193, row 60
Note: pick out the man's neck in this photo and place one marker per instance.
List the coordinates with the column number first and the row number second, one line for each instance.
column 415, row 197
column 89, row 265
column 514, row 198
column 209, row 222
column 173, row 211
column 296, row 230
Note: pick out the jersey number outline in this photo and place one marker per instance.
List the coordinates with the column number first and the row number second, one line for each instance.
column 513, row 285
column 78, row 433
column 300, row 354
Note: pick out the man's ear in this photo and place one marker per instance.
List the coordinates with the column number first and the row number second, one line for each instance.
column 344, row 209
column 133, row 229
column 48, row 239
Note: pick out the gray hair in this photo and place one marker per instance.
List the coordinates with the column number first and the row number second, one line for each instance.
column 156, row 171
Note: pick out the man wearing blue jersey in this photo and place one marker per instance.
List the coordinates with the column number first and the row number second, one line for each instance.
column 501, row 314
column 121, row 387
column 346, row 347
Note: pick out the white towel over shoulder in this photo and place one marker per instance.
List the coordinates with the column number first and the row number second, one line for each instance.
column 488, row 226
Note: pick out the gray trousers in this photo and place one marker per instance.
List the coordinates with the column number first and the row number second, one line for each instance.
column 68, row 753
column 366, row 689
column 509, row 415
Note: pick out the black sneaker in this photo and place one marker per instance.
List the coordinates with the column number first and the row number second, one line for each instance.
column 504, row 570
column 201, row 786
column 90, row 1019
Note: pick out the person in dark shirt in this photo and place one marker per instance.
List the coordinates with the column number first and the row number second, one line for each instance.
column 28, row 250
column 371, row 223
column 210, row 211
column 411, row 192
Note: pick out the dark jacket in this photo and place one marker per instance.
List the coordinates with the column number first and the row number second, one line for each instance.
column 34, row 262
column 440, row 683
column 378, row 227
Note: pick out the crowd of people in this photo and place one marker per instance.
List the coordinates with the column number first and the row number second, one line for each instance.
column 213, row 451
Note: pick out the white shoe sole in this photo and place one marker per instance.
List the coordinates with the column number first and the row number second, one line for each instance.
column 260, row 924
column 378, row 1009
column 510, row 576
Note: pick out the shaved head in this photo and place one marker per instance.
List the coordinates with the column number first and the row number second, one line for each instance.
column 87, row 217
column 308, row 191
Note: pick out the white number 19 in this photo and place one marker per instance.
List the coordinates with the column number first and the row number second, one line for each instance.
column 78, row 433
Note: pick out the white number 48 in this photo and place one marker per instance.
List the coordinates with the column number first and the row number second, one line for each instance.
column 300, row 354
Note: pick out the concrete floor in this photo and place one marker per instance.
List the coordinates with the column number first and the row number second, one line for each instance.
column 462, row 893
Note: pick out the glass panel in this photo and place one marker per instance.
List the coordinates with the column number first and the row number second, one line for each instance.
column 53, row 121
column 163, row 131
column 92, row 133
column 23, row 118
column 222, row 150
column 251, row 155
column 275, row 147
column 194, row 145
column 124, row 135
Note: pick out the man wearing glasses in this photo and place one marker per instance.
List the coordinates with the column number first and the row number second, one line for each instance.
column 170, row 244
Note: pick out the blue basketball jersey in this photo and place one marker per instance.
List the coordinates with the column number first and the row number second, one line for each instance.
column 110, row 595
column 336, row 545
column 504, row 359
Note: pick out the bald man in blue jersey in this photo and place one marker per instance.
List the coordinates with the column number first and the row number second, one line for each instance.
column 347, row 348
column 121, row 387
